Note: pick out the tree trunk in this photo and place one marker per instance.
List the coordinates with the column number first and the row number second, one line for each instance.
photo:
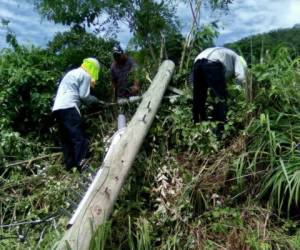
column 106, row 186
column 190, row 36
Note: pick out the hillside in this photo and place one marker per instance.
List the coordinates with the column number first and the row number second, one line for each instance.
column 258, row 45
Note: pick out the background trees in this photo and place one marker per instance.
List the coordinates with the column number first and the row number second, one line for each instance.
column 152, row 23
column 148, row 20
column 254, row 48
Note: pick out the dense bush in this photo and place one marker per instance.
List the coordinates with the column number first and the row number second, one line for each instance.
column 273, row 135
column 28, row 79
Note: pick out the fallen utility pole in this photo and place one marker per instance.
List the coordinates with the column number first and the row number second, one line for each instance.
column 99, row 203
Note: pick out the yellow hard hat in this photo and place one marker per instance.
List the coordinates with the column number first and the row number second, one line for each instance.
column 92, row 67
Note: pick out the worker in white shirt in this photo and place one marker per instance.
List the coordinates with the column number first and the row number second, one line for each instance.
column 74, row 88
column 213, row 67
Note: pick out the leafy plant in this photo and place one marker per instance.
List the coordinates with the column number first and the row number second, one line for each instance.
column 274, row 135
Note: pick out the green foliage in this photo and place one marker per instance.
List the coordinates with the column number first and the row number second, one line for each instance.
column 274, row 135
column 79, row 13
column 4, row 22
column 29, row 75
column 147, row 19
column 71, row 47
column 220, row 4
column 11, row 38
column 144, row 230
column 27, row 83
column 13, row 146
column 151, row 22
column 204, row 38
column 295, row 241
column 179, row 194
column 173, row 43
column 255, row 48
column 30, row 193
column 100, row 237
column 176, row 130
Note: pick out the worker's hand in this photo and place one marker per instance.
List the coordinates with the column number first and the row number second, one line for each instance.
column 113, row 94
column 93, row 84
column 134, row 90
column 101, row 103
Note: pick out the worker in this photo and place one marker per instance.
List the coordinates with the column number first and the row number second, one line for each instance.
column 123, row 74
column 213, row 68
column 74, row 88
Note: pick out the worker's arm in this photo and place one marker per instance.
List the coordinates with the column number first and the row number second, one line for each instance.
column 240, row 69
column 84, row 90
column 114, row 89
column 114, row 83
column 114, row 78
column 135, row 88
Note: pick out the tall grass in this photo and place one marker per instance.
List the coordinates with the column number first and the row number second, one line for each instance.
column 101, row 236
column 274, row 134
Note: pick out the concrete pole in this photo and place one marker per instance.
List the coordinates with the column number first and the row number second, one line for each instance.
column 99, row 204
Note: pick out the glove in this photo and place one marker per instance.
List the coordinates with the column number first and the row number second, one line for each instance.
column 134, row 90
column 101, row 102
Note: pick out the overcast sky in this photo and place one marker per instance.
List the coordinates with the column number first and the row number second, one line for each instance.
column 245, row 17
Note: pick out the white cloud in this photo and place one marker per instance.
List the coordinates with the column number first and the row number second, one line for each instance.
column 249, row 17
column 293, row 13
column 26, row 23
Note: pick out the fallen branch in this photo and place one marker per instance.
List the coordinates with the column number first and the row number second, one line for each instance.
column 175, row 90
column 29, row 162
column 48, row 219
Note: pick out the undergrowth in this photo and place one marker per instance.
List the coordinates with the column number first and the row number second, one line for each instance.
column 186, row 189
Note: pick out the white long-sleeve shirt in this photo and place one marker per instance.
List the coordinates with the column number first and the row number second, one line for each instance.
column 235, row 66
column 74, row 87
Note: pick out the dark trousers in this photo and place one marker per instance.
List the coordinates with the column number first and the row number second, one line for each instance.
column 209, row 75
column 74, row 142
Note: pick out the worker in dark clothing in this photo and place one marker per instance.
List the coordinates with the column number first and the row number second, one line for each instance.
column 74, row 88
column 213, row 67
column 124, row 75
